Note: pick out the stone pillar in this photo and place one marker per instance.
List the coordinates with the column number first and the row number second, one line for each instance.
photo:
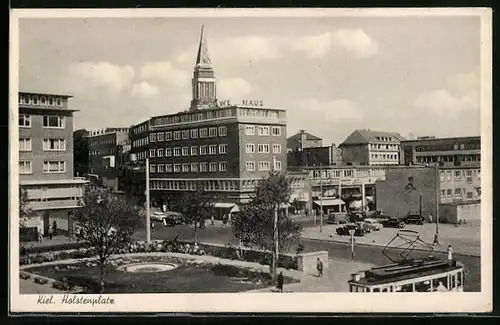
column 363, row 196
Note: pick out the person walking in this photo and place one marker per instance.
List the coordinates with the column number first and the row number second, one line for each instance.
column 54, row 227
column 212, row 220
column 39, row 234
column 279, row 282
column 164, row 208
column 319, row 267
column 450, row 254
column 430, row 218
column 51, row 232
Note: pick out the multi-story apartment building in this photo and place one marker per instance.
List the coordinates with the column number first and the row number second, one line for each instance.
column 225, row 149
column 107, row 148
column 452, row 193
column 374, row 148
column 315, row 156
column 302, row 140
column 46, row 156
column 447, row 152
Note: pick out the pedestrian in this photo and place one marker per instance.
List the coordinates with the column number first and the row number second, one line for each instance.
column 450, row 254
column 39, row 234
column 212, row 219
column 164, row 207
column 229, row 219
column 51, row 232
column 54, row 227
column 430, row 218
column 224, row 220
column 319, row 266
column 279, row 283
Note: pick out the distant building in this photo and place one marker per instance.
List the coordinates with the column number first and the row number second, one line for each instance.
column 453, row 193
column 374, row 148
column 81, row 153
column 302, row 140
column 107, row 149
column 46, row 158
column 447, row 152
column 315, row 156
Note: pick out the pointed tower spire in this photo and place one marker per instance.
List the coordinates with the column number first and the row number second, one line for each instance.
column 203, row 83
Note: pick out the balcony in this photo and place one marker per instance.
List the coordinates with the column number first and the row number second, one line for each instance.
column 53, row 204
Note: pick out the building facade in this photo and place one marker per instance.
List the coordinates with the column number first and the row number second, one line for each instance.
column 315, row 156
column 303, row 140
column 447, row 152
column 373, row 148
column 46, row 156
column 224, row 149
column 452, row 193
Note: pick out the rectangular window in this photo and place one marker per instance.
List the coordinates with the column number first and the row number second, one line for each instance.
column 203, row 133
column 185, row 134
column 24, row 120
column 185, row 151
column 263, row 148
column 152, row 153
column 203, row 150
column 222, row 166
column 177, row 135
column 25, row 167
column 212, row 149
column 54, row 166
column 250, row 166
column 222, row 148
column 277, row 165
column 177, row 168
column 250, row 148
column 177, row 152
column 152, row 168
column 185, row 168
column 458, row 174
column 448, row 193
column 264, row 165
column 276, row 131
column 469, row 195
column 168, row 168
column 194, row 151
column 194, row 167
column 263, row 130
column 443, row 194
column 168, row 152
column 276, row 148
column 168, row 136
column 25, row 144
column 194, row 133
column 159, row 152
column 203, row 167
column 448, row 175
column 160, row 137
column 152, row 137
column 54, row 144
column 458, row 193
column 161, row 168
column 213, row 166
column 441, row 176
column 212, row 132
column 222, row 131
column 53, row 122
column 249, row 130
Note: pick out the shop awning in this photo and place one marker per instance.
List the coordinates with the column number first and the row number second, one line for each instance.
column 330, row 202
column 230, row 206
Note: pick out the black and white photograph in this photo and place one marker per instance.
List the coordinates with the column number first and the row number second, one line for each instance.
column 251, row 160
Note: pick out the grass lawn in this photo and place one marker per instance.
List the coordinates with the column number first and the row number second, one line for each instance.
column 188, row 277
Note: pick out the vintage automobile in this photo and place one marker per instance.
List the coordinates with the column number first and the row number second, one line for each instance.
column 393, row 222
column 337, row 218
column 415, row 219
column 344, row 230
column 169, row 218
column 373, row 224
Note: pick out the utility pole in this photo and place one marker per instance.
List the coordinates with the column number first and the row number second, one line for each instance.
column 438, row 183
column 321, row 199
column 148, row 205
column 275, row 233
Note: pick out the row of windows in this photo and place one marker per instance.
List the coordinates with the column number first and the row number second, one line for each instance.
column 384, row 146
column 188, row 151
column 448, row 147
column 384, row 156
column 262, row 165
column 262, row 130
column 385, row 138
column 25, row 144
column 208, row 185
column 458, row 174
column 188, row 134
column 40, row 100
column 25, row 167
column 50, row 121
column 203, row 167
column 448, row 158
column 96, row 143
column 458, row 194
column 262, row 148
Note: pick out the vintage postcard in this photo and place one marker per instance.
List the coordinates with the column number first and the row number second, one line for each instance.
column 251, row 160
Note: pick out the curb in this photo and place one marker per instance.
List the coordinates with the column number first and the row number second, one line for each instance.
column 378, row 245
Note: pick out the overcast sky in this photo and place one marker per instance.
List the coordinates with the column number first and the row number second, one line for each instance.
column 333, row 75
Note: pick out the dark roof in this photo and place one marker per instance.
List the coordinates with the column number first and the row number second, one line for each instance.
column 369, row 136
column 309, row 136
column 427, row 140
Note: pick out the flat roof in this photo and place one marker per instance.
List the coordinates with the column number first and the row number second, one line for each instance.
column 442, row 139
column 44, row 94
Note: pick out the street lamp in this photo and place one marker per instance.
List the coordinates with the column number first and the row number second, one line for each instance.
column 136, row 165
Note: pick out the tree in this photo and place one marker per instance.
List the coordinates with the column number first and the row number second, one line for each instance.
column 25, row 212
column 254, row 226
column 106, row 223
column 196, row 206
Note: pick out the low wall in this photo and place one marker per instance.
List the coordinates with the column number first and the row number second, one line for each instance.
column 307, row 262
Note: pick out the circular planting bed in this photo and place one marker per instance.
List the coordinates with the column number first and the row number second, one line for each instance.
column 147, row 267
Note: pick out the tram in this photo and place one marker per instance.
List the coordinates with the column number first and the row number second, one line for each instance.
column 427, row 274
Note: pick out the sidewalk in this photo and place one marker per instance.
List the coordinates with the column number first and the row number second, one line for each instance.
column 465, row 239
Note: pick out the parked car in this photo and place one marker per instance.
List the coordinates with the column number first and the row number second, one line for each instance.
column 344, row 230
column 393, row 223
column 415, row 219
column 337, row 218
column 169, row 218
column 373, row 224
column 355, row 217
column 364, row 226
